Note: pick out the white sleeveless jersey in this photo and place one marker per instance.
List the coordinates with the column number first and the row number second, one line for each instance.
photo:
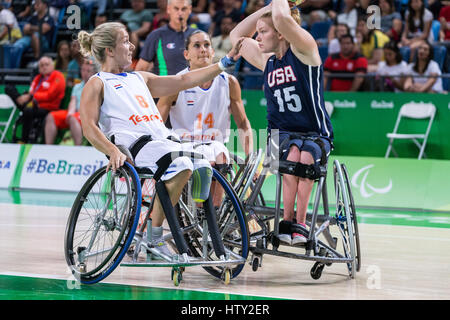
column 203, row 115
column 128, row 110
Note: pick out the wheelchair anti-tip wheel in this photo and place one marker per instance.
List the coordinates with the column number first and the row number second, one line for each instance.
column 102, row 223
column 346, row 218
column 232, row 227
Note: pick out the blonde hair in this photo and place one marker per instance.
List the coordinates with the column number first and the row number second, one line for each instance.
column 104, row 36
column 295, row 14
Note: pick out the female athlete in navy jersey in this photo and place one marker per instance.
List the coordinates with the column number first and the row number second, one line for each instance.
column 293, row 87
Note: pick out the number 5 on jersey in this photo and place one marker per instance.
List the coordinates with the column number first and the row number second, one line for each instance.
column 292, row 100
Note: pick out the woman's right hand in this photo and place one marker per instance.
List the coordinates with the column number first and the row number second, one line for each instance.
column 116, row 160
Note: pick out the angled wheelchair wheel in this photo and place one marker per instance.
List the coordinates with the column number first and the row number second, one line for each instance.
column 102, row 223
column 232, row 226
column 345, row 218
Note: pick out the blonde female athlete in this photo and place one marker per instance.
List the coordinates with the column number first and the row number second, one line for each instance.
column 201, row 115
column 118, row 105
column 293, row 87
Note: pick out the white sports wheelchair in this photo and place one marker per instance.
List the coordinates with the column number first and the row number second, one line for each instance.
column 112, row 211
column 325, row 230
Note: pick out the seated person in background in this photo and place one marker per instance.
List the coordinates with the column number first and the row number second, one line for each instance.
column 370, row 43
column 347, row 61
column 391, row 20
column 39, row 26
column 424, row 66
column 9, row 27
column 392, row 68
column 222, row 43
column 200, row 116
column 417, row 29
column 46, row 93
column 138, row 20
column 62, row 57
column 315, row 11
column 333, row 43
column 70, row 118
column 228, row 10
column 73, row 69
column 444, row 19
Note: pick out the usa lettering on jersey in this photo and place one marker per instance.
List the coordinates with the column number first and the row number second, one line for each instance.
column 280, row 76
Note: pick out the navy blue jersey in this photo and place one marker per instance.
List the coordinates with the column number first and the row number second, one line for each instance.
column 294, row 94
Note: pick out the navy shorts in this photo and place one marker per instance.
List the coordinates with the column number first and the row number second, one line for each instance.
column 303, row 145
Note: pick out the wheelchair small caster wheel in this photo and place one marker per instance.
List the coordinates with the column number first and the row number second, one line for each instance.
column 316, row 270
column 226, row 276
column 176, row 277
column 82, row 268
column 255, row 263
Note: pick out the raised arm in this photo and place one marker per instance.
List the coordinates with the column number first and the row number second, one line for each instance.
column 302, row 42
column 91, row 100
column 246, row 29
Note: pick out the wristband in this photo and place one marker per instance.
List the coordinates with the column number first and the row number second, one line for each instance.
column 225, row 63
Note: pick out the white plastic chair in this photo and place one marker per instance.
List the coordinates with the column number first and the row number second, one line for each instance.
column 413, row 110
column 329, row 107
column 6, row 104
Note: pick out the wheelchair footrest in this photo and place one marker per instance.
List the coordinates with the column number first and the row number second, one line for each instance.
column 322, row 259
column 189, row 263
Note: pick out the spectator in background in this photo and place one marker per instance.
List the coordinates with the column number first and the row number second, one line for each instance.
column 200, row 16
column 22, row 9
column 391, row 20
column 444, row 19
column 73, row 68
column 370, row 43
column 228, row 10
column 315, row 10
column 45, row 94
column 62, row 57
column 161, row 15
column 392, row 68
column 9, row 27
column 333, row 44
column 70, row 118
column 40, row 26
column 417, row 29
column 253, row 6
column 348, row 61
column 222, row 43
column 138, row 20
column 349, row 16
column 424, row 66
column 163, row 49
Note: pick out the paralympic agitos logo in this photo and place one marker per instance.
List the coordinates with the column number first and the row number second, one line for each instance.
column 360, row 180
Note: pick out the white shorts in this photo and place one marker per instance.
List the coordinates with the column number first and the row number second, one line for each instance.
column 210, row 150
column 154, row 150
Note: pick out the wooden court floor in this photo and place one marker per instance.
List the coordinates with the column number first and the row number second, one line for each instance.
column 398, row 262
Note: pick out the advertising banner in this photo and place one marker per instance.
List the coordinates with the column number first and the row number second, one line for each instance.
column 9, row 157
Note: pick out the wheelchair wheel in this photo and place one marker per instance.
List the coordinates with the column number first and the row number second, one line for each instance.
column 232, row 226
column 345, row 218
column 354, row 217
column 102, row 223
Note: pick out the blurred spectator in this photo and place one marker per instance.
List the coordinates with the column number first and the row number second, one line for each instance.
column 138, row 20
column 99, row 19
column 55, row 6
column 73, row 68
column 392, row 68
column 9, row 27
column 163, row 48
column 315, row 10
column 222, row 43
column 100, row 4
column 253, row 6
column 424, row 65
column 38, row 31
column 370, row 43
column 444, row 19
column 45, row 94
column 333, row 44
column 70, row 118
column 348, row 61
column 22, row 9
column 349, row 16
column 391, row 20
column 200, row 16
column 62, row 57
column 417, row 29
column 161, row 15
column 228, row 10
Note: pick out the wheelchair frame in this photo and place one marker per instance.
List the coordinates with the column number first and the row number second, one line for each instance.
column 323, row 252
column 118, row 217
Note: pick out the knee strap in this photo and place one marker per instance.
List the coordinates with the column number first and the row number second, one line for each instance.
column 309, row 171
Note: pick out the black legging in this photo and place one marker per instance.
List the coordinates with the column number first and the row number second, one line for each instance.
column 29, row 114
